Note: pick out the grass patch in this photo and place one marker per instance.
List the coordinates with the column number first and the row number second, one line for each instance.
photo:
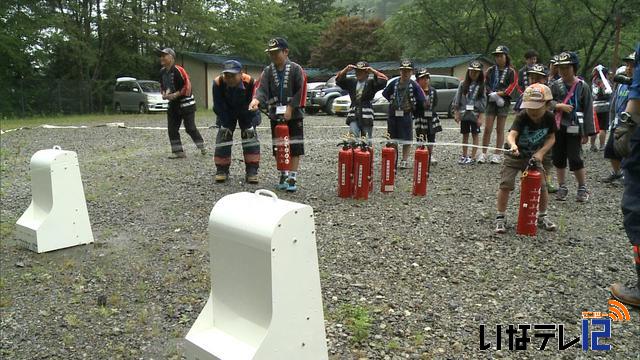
column 202, row 117
column 393, row 345
column 357, row 320
column 72, row 320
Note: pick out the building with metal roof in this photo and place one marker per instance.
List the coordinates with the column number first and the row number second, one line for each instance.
column 204, row 68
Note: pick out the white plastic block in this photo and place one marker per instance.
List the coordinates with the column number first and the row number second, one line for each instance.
column 57, row 216
column 265, row 301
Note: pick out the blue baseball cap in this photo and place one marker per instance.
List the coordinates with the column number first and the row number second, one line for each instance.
column 232, row 67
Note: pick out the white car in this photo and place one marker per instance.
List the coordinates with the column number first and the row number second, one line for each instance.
column 341, row 105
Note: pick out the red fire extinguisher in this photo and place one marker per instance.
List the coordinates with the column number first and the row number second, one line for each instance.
column 387, row 168
column 362, row 171
column 283, row 147
column 530, row 186
column 371, row 168
column 345, row 170
column 420, row 171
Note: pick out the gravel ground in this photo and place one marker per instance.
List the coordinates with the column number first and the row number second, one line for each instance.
column 402, row 277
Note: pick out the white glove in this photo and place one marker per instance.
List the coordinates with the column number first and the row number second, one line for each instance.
column 496, row 99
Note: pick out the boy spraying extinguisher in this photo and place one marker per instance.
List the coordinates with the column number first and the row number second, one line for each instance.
column 532, row 135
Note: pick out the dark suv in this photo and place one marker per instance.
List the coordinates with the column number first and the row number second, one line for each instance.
column 322, row 97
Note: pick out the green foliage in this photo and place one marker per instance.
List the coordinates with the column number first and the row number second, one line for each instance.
column 350, row 39
column 93, row 41
column 478, row 26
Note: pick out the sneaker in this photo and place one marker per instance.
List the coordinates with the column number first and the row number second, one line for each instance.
column 203, row 151
column 562, row 193
column 291, row 185
column 612, row 177
column 282, row 184
column 496, row 159
column 251, row 176
column 593, row 148
column 482, row 158
column 469, row 161
column 545, row 223
column 403, row 164
column 500, row 226
column 461, row 160
column 177, row 155
column 583, row 194
column 221, row 176
column 434, row 161
column 251, row 179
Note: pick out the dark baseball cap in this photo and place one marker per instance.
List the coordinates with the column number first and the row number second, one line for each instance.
column 168, row 51
column 361, row 65
column 406, row 64
column 630, row 57
column 567, row 58
column 475, row 65
column 538, row 69
column 423, row 73
column 501, row 49
column 232, row 67
column 277, row 44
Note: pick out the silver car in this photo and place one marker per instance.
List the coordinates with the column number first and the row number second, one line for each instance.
column 141, row 96
column 445, row 85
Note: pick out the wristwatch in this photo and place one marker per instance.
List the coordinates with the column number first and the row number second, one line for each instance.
column 628, row 117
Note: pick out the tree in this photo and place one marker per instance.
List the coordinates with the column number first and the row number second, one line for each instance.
column 350, row 39
column 584, row 26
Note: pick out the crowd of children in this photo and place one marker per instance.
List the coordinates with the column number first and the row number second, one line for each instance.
column 556, row 113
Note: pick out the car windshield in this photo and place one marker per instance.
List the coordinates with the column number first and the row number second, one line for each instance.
column 150, row 86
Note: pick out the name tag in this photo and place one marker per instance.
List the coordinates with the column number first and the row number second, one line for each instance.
column 281, row 109
column 428, row 114
column 580, row 117
column 574, row 129
column 469, row 107
column 399, row 113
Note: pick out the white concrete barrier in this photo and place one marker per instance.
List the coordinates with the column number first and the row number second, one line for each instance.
column 57, row 217
column 265, row 300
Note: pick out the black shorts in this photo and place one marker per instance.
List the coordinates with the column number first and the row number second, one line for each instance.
column 603, row 121
column 296, row 134
column 609, row 152
column 467, row 127
column 567, row 148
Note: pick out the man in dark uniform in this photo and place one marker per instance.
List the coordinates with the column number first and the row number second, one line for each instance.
column 232, row 93
column 176, row 87
column 631, row 197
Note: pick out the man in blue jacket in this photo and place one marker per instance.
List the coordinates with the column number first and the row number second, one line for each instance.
column 232, row 93
column 631, row 197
